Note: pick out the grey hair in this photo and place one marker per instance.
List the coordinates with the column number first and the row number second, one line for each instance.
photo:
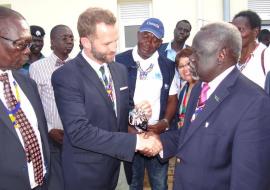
column 223, row 35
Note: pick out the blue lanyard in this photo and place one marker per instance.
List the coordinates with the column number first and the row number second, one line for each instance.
column 11, row 113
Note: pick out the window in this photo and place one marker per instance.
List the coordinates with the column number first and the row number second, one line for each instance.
column 262, row 7
column 131, row 15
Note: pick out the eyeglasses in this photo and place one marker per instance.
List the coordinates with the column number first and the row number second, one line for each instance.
column 182, row 66
column 19, row 44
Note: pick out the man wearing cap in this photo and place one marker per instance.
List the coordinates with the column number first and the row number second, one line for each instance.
column 150, row 79
column 37, row 33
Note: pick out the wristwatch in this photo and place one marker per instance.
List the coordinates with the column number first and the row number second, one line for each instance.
column 167, row 123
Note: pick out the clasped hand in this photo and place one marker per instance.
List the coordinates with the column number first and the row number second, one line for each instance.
column 149, row 144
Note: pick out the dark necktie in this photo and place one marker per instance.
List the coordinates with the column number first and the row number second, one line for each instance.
column 201, row 101
column 30, row 141
column 107, row 84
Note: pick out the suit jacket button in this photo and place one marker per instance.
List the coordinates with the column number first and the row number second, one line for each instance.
column 178, row 160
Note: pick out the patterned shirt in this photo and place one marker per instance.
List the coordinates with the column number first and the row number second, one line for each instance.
column 41, row 71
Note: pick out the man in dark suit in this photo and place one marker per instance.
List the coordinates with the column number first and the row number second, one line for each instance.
column 21, row 166
column 92, row 97
column 224, row 143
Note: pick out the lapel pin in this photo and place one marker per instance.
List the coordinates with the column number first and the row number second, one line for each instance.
column 216, row 98
column 206, row 124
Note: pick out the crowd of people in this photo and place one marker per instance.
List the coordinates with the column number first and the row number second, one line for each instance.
column 99, row 120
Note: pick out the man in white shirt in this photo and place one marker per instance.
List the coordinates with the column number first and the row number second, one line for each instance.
column 62, row 42
column 150, row 79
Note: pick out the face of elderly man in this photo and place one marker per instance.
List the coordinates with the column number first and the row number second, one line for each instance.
column 215, row 48
column 15, row 41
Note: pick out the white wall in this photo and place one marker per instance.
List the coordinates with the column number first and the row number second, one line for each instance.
column 197, row 12
column 48, row 13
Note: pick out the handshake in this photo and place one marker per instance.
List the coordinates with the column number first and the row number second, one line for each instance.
column 149, row 144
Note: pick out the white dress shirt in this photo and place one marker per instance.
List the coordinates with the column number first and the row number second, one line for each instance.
column 96, row 66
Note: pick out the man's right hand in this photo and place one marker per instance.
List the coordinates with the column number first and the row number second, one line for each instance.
column 148, row 144
column 57, row 135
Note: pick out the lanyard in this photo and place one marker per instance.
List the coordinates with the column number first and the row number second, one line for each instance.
column 11, row 113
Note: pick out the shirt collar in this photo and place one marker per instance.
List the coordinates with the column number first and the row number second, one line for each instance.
column 153, row 59
column 96, row 66
column 6, row 71
column 55, row 57
column 214, row 83
column 169, row 46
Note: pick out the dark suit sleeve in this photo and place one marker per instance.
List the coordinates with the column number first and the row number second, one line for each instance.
column 78, row 127
column 251, row 148
column 169, row 141
column 267, row 83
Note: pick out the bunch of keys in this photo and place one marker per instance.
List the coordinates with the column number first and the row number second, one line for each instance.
column 138, row 119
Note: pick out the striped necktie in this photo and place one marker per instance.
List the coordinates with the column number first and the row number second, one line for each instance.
column 108, row 84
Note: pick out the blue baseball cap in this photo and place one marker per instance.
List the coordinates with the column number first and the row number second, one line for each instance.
column 154, row 26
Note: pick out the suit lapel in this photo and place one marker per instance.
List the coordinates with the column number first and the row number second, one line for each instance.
column 221, row 92
column 90, row 74
column 32, row 96
column 5, row 118
column 24, row 85
column 190, row 109
column 33, row 100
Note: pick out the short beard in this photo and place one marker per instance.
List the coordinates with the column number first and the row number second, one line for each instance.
column 99, row 56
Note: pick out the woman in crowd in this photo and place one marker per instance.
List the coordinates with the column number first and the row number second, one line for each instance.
column 184, row 69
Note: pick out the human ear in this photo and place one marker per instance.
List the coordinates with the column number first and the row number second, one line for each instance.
column 160, row 42
column 256, row 32
column 221, row 56
column 85, row 43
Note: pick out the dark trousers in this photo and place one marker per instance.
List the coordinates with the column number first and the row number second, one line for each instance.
column 55, row 180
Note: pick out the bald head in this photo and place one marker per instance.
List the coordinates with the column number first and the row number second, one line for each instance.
column 220, row 35
column 15, row 39
column 5, row 15
column 216, row 47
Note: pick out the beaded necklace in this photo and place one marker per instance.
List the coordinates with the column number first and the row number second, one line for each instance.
column 242, row 66
column 144, row 73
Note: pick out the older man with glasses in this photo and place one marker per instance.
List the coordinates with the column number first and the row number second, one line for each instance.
column 24, row 157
